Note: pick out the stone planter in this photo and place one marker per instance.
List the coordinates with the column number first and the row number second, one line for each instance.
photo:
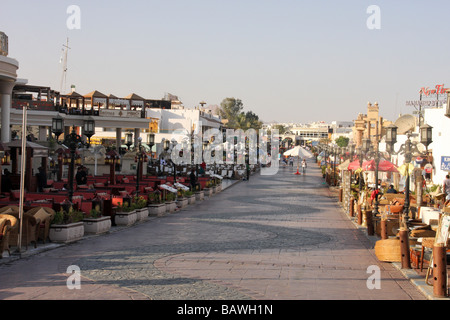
column 141, row 214
column 125, row 218
column 182, row 203
column 191, row 199
column 214, row 190
column 156, row 209
column 97, row 225
column 171, row 206
column 208, row 192
column 65, row 233
column 219, row 188
column 199, row 195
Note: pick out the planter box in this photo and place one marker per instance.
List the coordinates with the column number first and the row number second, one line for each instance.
column 171, row 206
column 182, row 203
column 141, row 214
column 66, row 233
column 200, row 195
column 191, row 199
column 125, row 218
column 156, row 209
column 208, row 192
column 97, row 225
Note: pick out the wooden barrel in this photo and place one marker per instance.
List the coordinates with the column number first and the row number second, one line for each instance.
column 388, row 250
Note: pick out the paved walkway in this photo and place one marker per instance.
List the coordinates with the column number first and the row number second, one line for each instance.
column 279, row 237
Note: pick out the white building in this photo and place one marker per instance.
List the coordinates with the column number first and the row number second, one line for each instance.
column 440, row 146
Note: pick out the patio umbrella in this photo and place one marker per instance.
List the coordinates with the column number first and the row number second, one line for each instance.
column 298, row 151
column 386, row 165
column 354, row 165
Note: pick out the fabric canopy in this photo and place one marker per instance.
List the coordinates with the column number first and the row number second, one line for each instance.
column 298, row 151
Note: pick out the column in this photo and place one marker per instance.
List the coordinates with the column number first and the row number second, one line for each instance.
column 5, row 104
column 118, row 138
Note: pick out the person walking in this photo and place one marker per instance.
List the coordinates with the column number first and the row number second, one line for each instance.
column 304, row 166
column 446, row 188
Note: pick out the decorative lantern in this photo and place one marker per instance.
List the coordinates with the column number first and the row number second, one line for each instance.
column 57, row 126
column 366, row 145
column 89, row 128
column 426, row 135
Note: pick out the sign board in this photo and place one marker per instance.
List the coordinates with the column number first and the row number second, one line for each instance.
column 3, row 44
column 445, row 163
column 443, row 229
column 119, row 113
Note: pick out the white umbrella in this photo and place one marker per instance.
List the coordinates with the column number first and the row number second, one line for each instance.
column 298, row 151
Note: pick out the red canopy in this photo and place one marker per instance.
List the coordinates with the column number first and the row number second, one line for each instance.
column 354, row 165
column 370, row 165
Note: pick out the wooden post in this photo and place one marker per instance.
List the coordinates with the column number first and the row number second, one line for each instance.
column 360, row 219
column 384, row 231
column 404, row 246
column 439, row 270
column 369, row 222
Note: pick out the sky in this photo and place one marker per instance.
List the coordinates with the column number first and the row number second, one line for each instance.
column 287, row 60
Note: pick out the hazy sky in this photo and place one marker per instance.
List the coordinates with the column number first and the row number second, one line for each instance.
column 287, row 60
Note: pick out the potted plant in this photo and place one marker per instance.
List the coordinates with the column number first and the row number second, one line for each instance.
column 207, row 190
column 156, row 205
column 141, row 208
column 182, row 201
column 190, row 196
column 126, row 214
column 171, row 204
column 95, row 222
column 67, row 226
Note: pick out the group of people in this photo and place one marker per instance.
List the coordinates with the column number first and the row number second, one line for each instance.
column 290, row 160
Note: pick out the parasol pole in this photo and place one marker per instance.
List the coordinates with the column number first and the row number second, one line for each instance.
column 298, row 165
column 22, row 177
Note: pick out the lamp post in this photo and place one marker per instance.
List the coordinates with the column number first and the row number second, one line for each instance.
column 140, row 158
column 112, row 157
column 408, row 149
column 129, row 140
column 73, row 141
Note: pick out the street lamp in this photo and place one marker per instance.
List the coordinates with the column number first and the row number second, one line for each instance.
column 374, row 152
column 129, row 140
column 73, row 141
column 408, row 149
column 140, row 158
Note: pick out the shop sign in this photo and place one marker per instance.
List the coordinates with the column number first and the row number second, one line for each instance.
column 119, row 113
column 445, row 163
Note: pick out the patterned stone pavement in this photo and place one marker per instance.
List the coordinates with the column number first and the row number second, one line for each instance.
column 279, row 237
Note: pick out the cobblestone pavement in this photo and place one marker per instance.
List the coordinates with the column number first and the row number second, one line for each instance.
column 273, row 237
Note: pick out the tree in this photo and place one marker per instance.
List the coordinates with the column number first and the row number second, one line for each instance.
column 230, row 109
column 281, row 128
column 342, row 141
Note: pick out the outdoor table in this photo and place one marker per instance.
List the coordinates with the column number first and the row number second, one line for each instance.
column 429, row 213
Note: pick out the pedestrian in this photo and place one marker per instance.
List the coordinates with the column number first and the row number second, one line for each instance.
column 291, row 161
column 248, row 171
column 446, row 188
column 193, row 181
column 304, row 166
column 6, row 181
column 41, row 179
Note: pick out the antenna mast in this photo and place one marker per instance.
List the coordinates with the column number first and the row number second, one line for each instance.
column 64, row 71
